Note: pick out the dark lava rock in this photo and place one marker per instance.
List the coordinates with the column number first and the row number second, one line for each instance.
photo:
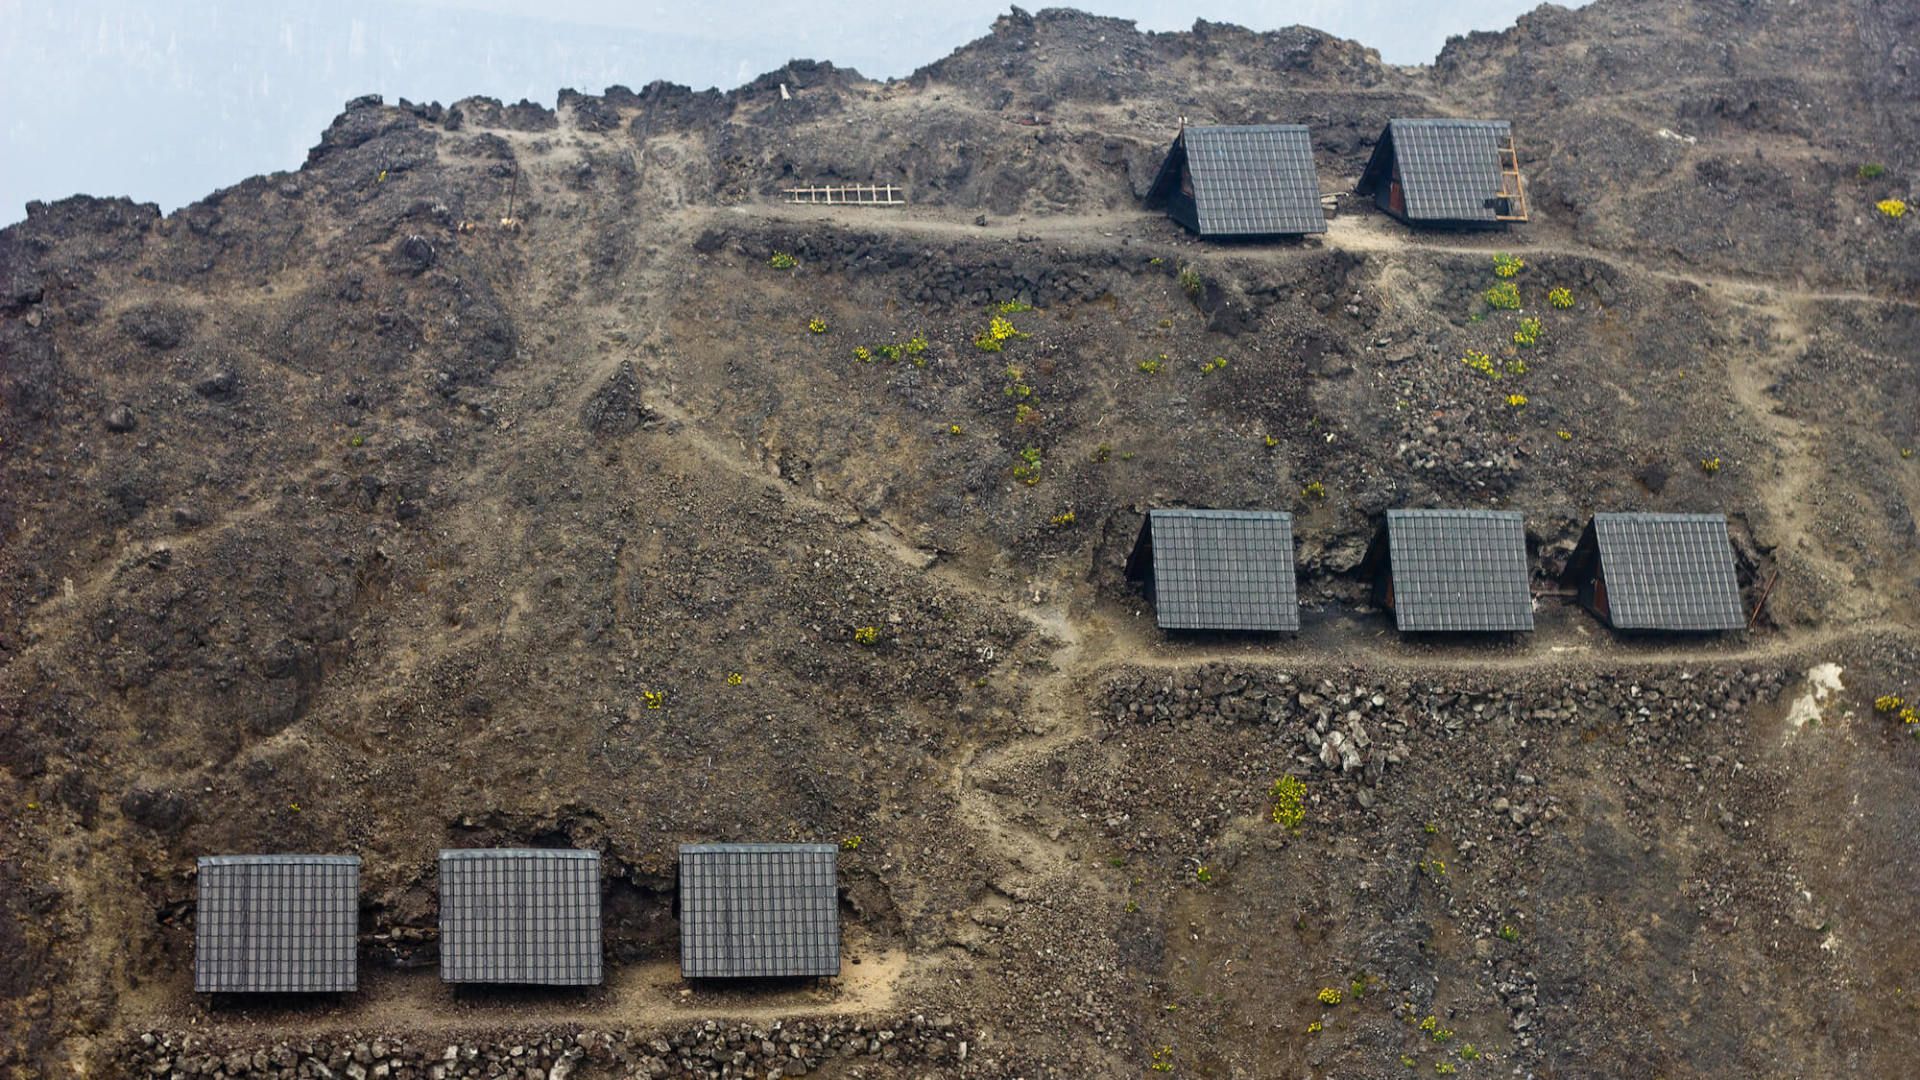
column 156, row 328
column 417, row 254
column 161, row 811
column 221, row 385
column 615, row 408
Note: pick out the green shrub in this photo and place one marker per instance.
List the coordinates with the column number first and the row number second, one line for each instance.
column 1505, row 296
column 1026, row 467
column 998, row 332
column 1289, row 802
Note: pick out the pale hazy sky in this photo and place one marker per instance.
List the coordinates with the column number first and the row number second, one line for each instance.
column 168, row 100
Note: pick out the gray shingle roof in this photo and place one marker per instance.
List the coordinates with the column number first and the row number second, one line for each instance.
column 1668, row 571
column 277, row 923
column 1459, row 570
column 1254, row 180
column 1449, row 169
column 520, row 915
column 759, row 910
column 1224, row 570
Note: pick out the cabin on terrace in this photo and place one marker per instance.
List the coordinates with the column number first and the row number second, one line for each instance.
column 1241, row 182
column 1453, row 571
column 759, row 911
column 277, row 924
column 1455, row 174
column 1218, row 569
column 520, row 915
column 1669, row 573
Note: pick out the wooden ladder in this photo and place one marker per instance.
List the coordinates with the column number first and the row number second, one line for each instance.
column 848, row 194
column 1513, row 187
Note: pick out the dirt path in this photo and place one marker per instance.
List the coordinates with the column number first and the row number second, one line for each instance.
column 548, row 151
column 1058, row 717
column 644, row 996
column 1790, row 500
column 1360, row 231
column 1376, row 234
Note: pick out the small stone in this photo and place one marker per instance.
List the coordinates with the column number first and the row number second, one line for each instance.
column 119, row 418
column 220, row 385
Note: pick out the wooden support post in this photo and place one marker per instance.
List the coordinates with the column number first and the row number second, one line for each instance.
column 1754, row 619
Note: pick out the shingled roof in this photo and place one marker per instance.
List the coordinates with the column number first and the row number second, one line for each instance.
column 277, row 924
column 1665, row 571
column 759, row 910
column 1449, row 169
column 1459, row 570
column 1218, row 569
column 1247, row 180
column 520, row 915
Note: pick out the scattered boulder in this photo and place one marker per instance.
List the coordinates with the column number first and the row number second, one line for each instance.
column 222, row 384
column 163, row 811
column 156, row 327
column 416, row 254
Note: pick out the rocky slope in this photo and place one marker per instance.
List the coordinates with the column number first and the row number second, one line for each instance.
column 340, row 515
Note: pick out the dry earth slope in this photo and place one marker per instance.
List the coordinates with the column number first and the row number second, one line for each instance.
column 336, row 516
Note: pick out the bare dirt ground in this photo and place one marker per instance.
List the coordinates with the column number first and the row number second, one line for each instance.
column 340, row 517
